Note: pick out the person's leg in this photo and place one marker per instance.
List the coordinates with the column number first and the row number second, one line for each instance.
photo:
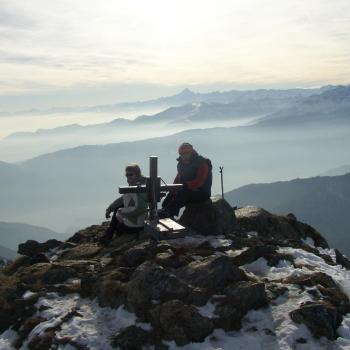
column 183, row 197
column 122, row 228
column 108, row 235
column 169, row 197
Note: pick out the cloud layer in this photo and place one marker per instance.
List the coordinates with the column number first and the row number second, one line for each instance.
column 50, row 45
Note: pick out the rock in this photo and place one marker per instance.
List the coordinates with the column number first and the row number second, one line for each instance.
column 182, row 323
column 267, row 252
column 42, row 341
column 28, row 325
column 228, row 317
column 241, row 298
column 341, row 259
column 314, row 279
column 39, row 258
column 89, row 234
column 58, row 274
column 152, row 283
column 321, row 318
column 110, row 291
column 212, row 274
column 132, row 337
column 21, row 262
column 33, row 274
column 273, row 290
column 139, row 253
column 81, row 251
column 171, row 259
column 32, row 248
column 306, row 230
column 213, row 217
column 247, row 295
column 13, row 309
column 276, row 227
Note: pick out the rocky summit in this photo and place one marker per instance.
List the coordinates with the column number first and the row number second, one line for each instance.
column 259, row 281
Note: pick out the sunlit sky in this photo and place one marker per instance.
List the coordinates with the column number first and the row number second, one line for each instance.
column 84, row 52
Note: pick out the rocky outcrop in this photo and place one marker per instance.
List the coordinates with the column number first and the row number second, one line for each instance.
column 179, row 290
column 322, row 318
column 32, row 248
column 177, row 321
column 213, row 217
column 277, row 227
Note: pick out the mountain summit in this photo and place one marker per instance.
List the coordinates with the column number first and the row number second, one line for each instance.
column 272, row 283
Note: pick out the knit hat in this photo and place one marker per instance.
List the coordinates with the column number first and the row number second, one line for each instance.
column 185, row 148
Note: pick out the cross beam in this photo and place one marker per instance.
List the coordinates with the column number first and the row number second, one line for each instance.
column 153, row 188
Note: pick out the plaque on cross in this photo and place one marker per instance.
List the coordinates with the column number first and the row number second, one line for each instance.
column 158, row 228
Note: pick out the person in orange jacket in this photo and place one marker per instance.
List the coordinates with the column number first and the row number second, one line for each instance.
column 195, row 173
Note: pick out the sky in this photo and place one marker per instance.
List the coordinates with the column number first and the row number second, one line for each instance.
column 85, row 52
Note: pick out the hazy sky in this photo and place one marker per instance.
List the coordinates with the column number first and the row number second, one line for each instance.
column 79, row 52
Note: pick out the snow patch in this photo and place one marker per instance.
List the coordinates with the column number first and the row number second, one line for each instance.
column 7, row 338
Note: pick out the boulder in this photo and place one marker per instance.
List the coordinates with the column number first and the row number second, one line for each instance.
column 81, row 251
column 341, row 259
column 110, row 291
column 42, row 341
column 267, row 252
column 139, row 253
column 132, row 337
column 321, row 318
column 241, row 297
column 247, row 295
column 276, row 227
column 151, row 283
column 182, row 323
column 32, row 248
column 89, row 234
column 212, row 274
column 212, row 217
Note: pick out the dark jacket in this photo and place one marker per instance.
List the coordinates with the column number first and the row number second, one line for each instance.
column 191, row 172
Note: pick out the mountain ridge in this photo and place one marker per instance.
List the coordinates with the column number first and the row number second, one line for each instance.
column 322, row 201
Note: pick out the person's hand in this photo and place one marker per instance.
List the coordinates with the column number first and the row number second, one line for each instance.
column 108, row 214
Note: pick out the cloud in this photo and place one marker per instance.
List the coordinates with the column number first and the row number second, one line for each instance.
column 75, row 42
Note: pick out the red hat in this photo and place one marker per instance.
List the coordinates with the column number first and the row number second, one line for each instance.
column 185, row 148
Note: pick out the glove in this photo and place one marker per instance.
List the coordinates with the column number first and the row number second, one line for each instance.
column 108, row 214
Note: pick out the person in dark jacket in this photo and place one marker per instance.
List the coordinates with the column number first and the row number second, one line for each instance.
column 195, row 173
column 129, row 210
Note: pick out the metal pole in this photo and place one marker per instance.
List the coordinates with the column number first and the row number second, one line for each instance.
column 153, row 168
column 222, row 181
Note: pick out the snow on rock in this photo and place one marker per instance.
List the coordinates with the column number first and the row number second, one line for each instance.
column 247, row 281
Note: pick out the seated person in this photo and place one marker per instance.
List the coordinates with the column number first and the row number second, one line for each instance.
column 195, row 173
column 129, row 210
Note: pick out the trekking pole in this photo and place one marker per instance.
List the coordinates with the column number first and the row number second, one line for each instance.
column 222, row 181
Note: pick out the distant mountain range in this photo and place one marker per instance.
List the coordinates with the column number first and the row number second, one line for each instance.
column 184, row 97
column 11, row 234
column 194, row 107
column 322, row 202
column 272, row 108
column 342, row 170
column 6, row 253
column 332, row 105
column 71, row 188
